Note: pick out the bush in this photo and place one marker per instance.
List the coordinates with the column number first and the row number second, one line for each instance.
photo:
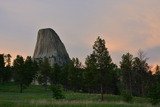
column 154, row 94
column 127, row 96
column 57, row 91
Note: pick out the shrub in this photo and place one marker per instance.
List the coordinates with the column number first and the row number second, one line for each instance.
column 57, row 91
column 154, row 94
column 127, row 96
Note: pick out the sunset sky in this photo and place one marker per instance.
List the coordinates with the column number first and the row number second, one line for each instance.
column 126, row 25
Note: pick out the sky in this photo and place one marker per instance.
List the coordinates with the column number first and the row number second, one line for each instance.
column 126, row 26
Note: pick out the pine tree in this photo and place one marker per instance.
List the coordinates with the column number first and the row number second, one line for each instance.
column 19, row 72
column 2, row 66
column 31, row 69
column 91, row 75
column 126, row 67
column 103, row 62
column 75, row 74
column 24, row 71
column 8, row 69
column 141, row 74
column 55, row 75
column 44, row 71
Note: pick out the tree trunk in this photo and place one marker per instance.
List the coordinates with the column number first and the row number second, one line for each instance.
column 102, row 80
column 102, row 97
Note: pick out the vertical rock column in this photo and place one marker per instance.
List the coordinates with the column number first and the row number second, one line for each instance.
column 50, row 46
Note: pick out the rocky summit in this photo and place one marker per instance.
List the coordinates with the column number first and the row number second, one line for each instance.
column 50, row 46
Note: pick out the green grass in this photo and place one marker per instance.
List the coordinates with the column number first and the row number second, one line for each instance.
column 36, row 96
column 69, row 104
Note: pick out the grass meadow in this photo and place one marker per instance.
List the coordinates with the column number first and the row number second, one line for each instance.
column 37, row 96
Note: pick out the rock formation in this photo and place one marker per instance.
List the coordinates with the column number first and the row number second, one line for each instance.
column 50, row 46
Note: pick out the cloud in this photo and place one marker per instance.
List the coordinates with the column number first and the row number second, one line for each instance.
column 153, row 54
column 126, row 25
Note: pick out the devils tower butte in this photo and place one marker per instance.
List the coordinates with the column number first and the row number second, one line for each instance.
column 50, row 46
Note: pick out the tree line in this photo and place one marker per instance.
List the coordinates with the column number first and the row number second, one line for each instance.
column 98, row 75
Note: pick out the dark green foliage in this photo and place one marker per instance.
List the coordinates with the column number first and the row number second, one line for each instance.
column 113, row 81
column 7, row 74
column 55, row 75
column 141, row 75
column 19, row 73
column 136, row 77
column 44, row 72
column 101, row 75
column 57, row 91
column 75, row 75
column 5, row 68
column 154, row 94
column 127, row 96
column 2, row 67
column 101, row 64
column 24, row 71
column 91, row 75
column 55, row 79
column 31, row 69
column 2, row 63
column 103, row 61
column 126, row 67
column 64, row 76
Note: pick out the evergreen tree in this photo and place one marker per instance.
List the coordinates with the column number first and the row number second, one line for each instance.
column 55, row 75
column 24, row 71
column 154, row 90
column 31, row 69
column 103, row 62
column 2, row 61
column 113, row 81
column 8, row 73
column 2, row 66
column 56, row 78
column 43, row 74
column 35, row 69
column 19, row 72
column 91, row 75
column 126, row 67
column 5, row 68
column 141, row 80
column 75, row 75
column 64, row 76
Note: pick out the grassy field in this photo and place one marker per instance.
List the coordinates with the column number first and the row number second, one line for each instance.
column 36, row 96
